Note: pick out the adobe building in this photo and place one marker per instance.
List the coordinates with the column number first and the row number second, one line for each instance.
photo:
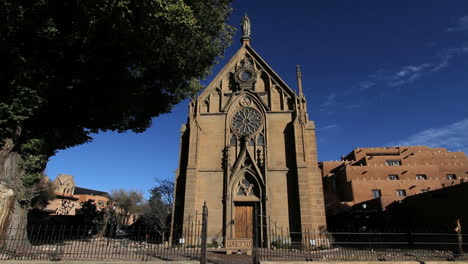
column 393, row 173
column 69, row 197
column 248, row 145
column 436, row 210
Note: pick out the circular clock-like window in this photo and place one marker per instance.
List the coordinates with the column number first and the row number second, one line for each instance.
column 245, row 76
column 246, row 121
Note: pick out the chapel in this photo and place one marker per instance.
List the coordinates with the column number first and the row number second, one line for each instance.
column 249, row 151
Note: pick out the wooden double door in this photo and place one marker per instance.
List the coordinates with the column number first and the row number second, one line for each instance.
column 244, row 220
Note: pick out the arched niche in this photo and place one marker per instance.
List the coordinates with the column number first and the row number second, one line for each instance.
column 246, row 188
column 263, row 83
column 206, row 106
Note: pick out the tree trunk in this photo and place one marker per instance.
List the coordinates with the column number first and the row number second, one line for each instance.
column 13, row 217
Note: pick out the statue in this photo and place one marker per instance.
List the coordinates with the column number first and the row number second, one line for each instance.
column 245, row 26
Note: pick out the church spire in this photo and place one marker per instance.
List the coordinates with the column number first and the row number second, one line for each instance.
column 245, row 25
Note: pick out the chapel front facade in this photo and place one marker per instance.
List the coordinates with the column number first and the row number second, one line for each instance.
column 249, row 150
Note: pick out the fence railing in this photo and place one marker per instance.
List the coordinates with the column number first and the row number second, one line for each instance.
column 59, row 242
column 277, row 243
column 89, row 242
column 363, row 246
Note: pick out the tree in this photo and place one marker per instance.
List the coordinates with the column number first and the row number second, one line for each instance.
column 158, row 209
column 95, row 220
column 72, row 68
column 128, row 203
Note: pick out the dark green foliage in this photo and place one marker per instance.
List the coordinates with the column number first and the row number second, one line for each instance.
column 90, row 212
column 72, row 68
column 39, row 195
column 92, row 218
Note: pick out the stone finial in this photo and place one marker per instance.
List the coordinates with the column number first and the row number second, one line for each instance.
column 299, row 79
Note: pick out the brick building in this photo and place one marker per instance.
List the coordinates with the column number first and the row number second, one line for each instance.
column 391, row 174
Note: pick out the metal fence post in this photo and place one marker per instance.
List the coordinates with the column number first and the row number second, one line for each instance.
column 256, row 239
column 204, row 233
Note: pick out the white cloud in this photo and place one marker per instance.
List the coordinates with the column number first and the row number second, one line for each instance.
column 366, row 85
column 329, row 100
column 461, row 25
column 410, row 73
column 328, row 127
column 445, row 56
column 407, row 74
column 453, row 137
column 353, row 106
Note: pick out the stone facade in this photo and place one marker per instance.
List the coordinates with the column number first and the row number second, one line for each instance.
column 392, row 173
column 248, row 146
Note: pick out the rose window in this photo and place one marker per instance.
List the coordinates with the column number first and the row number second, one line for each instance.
column 246, row 121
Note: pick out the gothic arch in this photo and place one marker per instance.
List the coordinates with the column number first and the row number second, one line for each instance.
column 251, row 176
column 256, row 101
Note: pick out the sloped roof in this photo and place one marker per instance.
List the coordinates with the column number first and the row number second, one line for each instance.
column 85, row 191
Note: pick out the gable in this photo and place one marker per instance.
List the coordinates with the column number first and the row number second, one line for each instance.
column 63, row 179
column 246, row 71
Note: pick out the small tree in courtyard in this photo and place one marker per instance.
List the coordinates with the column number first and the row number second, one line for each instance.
column 128, row 203
column 157, row 211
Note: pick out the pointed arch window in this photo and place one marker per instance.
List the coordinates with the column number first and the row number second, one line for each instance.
column 260, row 140
column 233, row 140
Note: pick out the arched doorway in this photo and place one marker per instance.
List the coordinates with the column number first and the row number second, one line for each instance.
column 246, row 193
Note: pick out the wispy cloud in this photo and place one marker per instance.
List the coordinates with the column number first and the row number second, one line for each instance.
column 462, row 25
column 404, row 75
column 453, row 137
column 329, row 100
column 447, row 55
column 328, row 127
column 353, row 106
column 407, row 74
column 364, row 85
column 410, row 73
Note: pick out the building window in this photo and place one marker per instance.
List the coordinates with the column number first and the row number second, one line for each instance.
column 376, row 193
column 421, row 177
column 401, row 193
column 451, row 176
column 424, row 190
column 393, row 177
column 260, row 140
column 393, row 162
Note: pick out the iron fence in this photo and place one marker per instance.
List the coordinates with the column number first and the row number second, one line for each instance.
column 277, row 243
column 54, row 242
column 138, row 243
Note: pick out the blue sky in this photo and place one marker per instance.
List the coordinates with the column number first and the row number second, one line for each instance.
column 375, row 73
